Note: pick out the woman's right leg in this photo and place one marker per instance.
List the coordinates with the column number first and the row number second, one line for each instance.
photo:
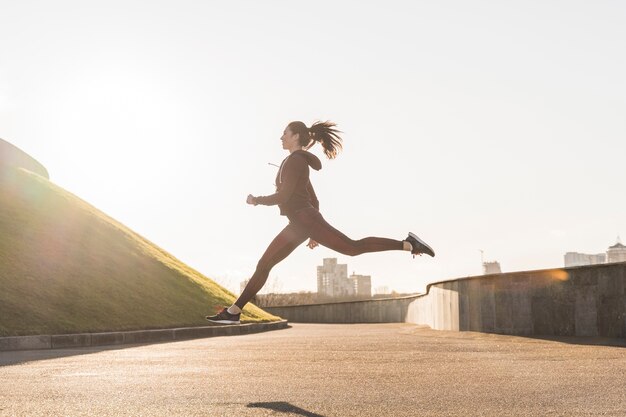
column 326, row 235
column 282, row 245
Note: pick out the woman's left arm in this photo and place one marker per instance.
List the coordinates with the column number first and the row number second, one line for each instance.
column 294, row 168
column 313, row 198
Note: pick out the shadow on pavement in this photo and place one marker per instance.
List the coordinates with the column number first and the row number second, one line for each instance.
column 284, row 407
column 582, row 340
column 16, row 357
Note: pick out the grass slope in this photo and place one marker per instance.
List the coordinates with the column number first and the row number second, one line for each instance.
column 66, row 267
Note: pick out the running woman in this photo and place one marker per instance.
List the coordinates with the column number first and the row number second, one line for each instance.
column 297, row 200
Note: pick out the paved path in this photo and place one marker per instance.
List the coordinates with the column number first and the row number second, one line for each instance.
column 321, row 370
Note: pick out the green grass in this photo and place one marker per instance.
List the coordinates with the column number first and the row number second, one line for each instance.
column 66, row 267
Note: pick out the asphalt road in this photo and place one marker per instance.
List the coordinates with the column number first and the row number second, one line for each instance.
column 322, row 370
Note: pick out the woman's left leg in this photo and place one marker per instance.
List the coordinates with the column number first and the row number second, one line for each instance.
column 287, row 240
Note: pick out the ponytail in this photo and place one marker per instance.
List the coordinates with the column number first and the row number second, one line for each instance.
column 323, row 132
column 326, row 134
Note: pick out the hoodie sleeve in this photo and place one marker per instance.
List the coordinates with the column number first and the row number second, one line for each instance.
column 294, row 168
column 314, row 201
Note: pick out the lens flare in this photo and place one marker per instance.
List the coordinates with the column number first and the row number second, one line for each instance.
column 556, row 275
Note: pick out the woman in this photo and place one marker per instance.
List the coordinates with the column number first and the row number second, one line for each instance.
column 296, row 199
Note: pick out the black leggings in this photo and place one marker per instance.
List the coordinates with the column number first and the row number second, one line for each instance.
column 309, row 223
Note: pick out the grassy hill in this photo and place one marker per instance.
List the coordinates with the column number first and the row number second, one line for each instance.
column 66, row 267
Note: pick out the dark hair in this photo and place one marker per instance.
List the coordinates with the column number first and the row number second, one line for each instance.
column 322, row 132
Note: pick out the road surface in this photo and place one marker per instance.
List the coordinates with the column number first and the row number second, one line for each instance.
column 322, row 370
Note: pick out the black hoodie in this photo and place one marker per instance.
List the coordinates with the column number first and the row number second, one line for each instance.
column 293, row 187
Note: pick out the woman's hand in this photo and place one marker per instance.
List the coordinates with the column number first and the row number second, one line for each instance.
column 312, row 244
column 251, row 200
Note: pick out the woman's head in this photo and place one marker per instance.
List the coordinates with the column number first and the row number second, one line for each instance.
column 322, row 132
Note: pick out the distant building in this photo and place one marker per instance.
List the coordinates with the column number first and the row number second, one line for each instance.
column 362, row 285
column 333, row 281
column 579, row 259
column 491, row 268
column 383, row 289
column 616, row 253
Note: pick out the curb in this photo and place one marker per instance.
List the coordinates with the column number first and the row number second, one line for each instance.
column 61, row 341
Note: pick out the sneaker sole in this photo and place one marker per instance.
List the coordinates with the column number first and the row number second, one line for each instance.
column 414, row 236
column 224, row 321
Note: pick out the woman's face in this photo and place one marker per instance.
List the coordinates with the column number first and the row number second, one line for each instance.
column 289, row 139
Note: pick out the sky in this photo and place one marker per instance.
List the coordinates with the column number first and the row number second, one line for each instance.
column 483, row 125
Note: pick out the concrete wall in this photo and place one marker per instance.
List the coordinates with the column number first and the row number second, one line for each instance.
column 580, row 301
column 391, row 310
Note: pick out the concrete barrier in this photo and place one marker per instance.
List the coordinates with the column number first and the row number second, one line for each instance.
column 25, row 342
column 132, row 337
column 388, row 310
column 580, row 301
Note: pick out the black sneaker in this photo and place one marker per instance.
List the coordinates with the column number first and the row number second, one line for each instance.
column 224, row 317
column 419, row 246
